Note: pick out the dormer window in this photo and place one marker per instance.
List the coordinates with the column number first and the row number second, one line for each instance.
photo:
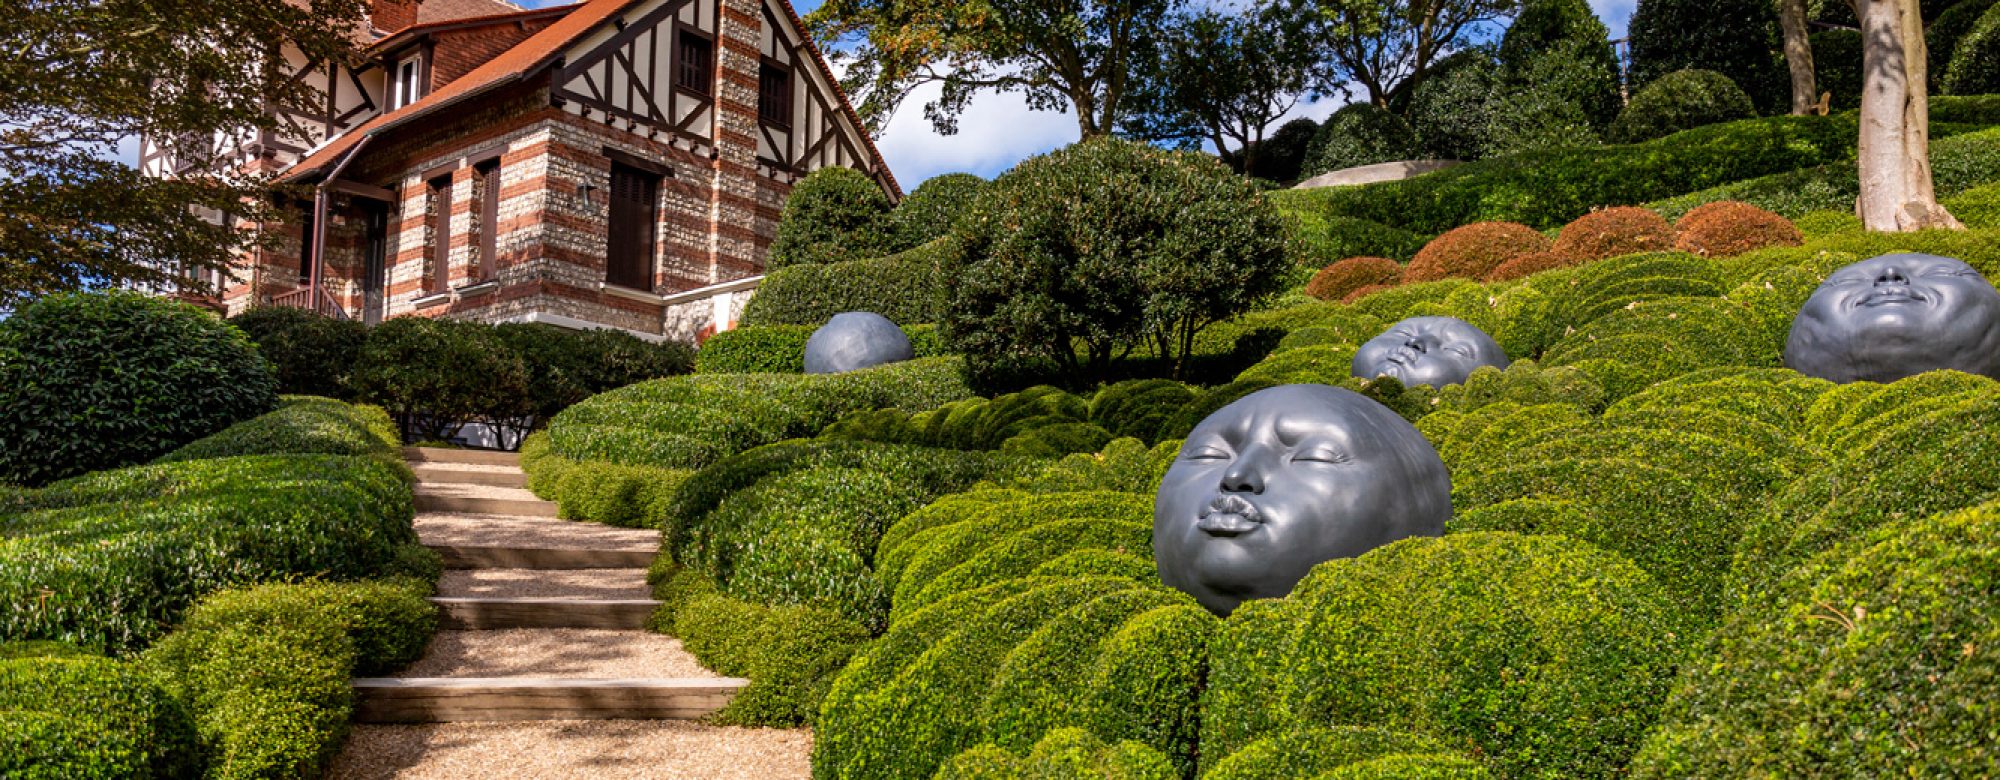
column 409, row 83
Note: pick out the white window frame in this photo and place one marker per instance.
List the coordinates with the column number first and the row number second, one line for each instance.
column 407, row 90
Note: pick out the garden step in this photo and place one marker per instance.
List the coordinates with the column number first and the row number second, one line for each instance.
column 469, row 474
column 455, row 699
column 475, row 457
column 568, row 653
column 522, row 583
column 495, row 613
column 475, row 557
column 481, row 499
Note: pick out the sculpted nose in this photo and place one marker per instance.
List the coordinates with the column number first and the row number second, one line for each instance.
column 1416, row 343
column 1891, row 275
column 1246, row 473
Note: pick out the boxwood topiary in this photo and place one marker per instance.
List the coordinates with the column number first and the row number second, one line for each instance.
column 310, row 353
column 1313, row 752
column 1874, row 658
column 926, row 214
column 1326, row 239
column 905, row 287
column 789, row 653
column 302, row 425
column 1610, row 232
column 1544, row 655
column 1337, row 280
column 434, row 375
column 1679, row 101
column 1360, row 133
column 1529, row 264
column 1136, row 407
column 1064, row 754
column 835, row 213
column 91, row 718
column 1473, row 251
column 1729, row 228
column 93, row 381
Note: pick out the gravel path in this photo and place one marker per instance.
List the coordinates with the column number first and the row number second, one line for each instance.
column 555, row 652
column 487, row 468
column 468, row 530
column 464, row 490
column 545, row 584
column 585, row 750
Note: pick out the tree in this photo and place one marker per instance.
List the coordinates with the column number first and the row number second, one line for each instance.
column 1798, row 55
column 1897, row 194
column 1388, row 46
column 81, row 76
column 1060, row 54
column 1736, row 38
column 1224, row 79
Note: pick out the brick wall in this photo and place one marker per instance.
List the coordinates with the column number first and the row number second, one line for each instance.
column 457, row 52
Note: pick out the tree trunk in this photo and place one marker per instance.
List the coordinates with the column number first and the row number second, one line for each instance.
column 1798, row 55
column 1894, row 155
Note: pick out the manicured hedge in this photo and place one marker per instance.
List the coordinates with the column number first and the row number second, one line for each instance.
column 1065, row 754
column 310, row 353
column 1344, row 752
column 1876, row 658
column 835, row 213
column 1549, row 188
column 90, row 718
column 904, row 287
column 1959, row 162
column 1473, row 251
column 1040, row 421
column 1326, row 239
column 101, row 380
column 609, row 493
column 975, row 539
column 302, row 425
column 1543, row 655
column 781, row 349
column 1678, row 101
column 265, row 671
column 1124, row 465
column 1730, row 228
column 790, row 654
column 1620, row 230
column 109, row 560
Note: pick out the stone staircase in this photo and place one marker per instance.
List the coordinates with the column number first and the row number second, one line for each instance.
column 541, row 619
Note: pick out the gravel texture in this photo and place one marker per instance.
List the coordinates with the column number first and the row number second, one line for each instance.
column 559, row 750
column 482, row 468
column 463, row 490
column 545, row 584
column 555, row 652
column 469, row 530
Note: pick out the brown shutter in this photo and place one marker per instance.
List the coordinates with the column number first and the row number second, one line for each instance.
column 440, row 277
column 489, row 221
column 633, row 224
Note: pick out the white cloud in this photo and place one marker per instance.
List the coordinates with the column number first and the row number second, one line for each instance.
column 995, row 132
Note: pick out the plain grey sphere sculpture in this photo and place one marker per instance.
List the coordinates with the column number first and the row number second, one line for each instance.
column 856, row 340
column 1894, row 316
column 1435, row 351
column 1286, row 478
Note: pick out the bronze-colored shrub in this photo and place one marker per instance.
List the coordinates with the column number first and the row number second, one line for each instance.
column 1473, row 251
column 1337, row 280
column 1620, row 230
column 1529, row 264
column 1729, row 228
column 1365, row 292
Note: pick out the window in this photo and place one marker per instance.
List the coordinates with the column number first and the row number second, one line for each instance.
column 438, row 209
column 408, row 86
column 774, row 95
column 694, row 71
column 634, row 222
column 488, row 229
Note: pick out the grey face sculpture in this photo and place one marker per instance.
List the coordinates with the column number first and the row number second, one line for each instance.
column 1894, row 316
column 1284, row 479
column 855, row 340
column 1435, row 351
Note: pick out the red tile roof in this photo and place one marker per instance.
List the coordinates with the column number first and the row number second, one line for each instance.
column 435, row 11
column 527, row 58
column 511, row 17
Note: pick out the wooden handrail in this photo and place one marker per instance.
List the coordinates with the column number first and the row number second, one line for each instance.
column 304, row 298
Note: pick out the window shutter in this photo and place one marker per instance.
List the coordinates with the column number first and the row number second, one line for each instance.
column 633, row 224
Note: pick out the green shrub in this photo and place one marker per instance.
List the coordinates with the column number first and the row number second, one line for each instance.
column 1546, row 189
column 1449, row 110
column 302, row 425
column 1563, row 96
column 265, row 670
column 1204, row 404
column 310, row 353
column 433, row 375
column 1873, row 659
column 764, row 349
column 1314, row 752
column 832, row 215
column 93, row 381
column 1735, row 38
column 1324, row 240
column 1101, row 246
column 1010, row 662
column 1819, row 224
column 803, row 537
column 1664, row 337
column 609, row 493
column 789, row 653
column 108, row 560
column 1942, row 37
column 1571, row 31
column 566, row 366
column 87, row 718
column 1978, row 207
column 1360, row 133
column 1526, row 383
column 1678, row 101
column 1959, row 163
column 1543, row 655
column 927, row 213
column 1064, row 754
column 946, row 549
column 1124, row 465
column 905, row 287
column 1974, row 66
column 1731, row 228
column 1136, row 408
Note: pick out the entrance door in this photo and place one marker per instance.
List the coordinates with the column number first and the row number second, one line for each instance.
column 374, row 274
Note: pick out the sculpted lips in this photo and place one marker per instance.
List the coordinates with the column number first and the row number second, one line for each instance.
column 1229, row 516
column 1887, row 296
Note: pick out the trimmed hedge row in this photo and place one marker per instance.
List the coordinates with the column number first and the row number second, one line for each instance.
column 74, row 716
column 109, row 560
column 789, row 653
column 781, row 349
column 1345, row 752
column 302, row 425
column 904, row 287
column 1958, row 163
column 1065, row 754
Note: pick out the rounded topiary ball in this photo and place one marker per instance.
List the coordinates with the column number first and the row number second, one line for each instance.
column 1360, row 134
column 1612, row 232
column 856, row 340
column 927, row 213
column 1729, row 228
column 1336, row 281
column 1528, row 265
column 92, row 381
column 1473, row 251
column 1681, row 100
column 832, row 215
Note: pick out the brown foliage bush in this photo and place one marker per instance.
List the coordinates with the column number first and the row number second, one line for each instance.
column 1473, row 251
column 1728, row 228
column 1335, row 281
column 1621, row 230
column 1531, row 263
column 1365, row 292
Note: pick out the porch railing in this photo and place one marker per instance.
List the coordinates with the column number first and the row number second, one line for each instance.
column 313, row 299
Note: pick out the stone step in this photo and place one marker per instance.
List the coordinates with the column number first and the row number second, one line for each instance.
column 477, row 557
column 520, row 583
column 567, row 653
column 478, row 614
column 475, row 530
column 481, row 499
column 448, row 455
column 456, row 699
column 469, row 474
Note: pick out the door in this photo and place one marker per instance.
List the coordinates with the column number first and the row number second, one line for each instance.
column 374, row 271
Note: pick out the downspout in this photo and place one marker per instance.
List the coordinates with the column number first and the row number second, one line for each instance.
column 318, row 237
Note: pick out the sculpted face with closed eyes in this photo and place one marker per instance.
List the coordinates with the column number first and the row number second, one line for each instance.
column 1435, row 351
column 1895, row 316
column 1284, row 479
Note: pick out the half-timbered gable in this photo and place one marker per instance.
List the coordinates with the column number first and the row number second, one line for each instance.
column 651, row 71
column 803, row 122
